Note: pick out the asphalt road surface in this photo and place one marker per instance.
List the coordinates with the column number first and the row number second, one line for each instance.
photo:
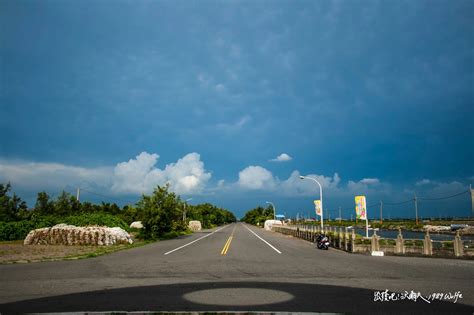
column 236, row 268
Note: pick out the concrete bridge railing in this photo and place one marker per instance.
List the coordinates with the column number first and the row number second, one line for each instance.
column 347, row 240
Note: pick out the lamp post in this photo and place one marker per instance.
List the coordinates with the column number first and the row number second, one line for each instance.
column 320, row 196
column 274, row 209
column 184, row 212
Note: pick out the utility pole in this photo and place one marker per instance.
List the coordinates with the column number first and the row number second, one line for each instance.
column 416, row 209
column 340, row 215
column 381, row 208
column 78, row 193
column 472, row 198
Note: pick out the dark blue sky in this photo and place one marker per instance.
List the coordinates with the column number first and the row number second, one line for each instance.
column 379, row 92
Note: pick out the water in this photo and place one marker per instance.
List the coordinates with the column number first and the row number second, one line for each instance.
column 413, row 235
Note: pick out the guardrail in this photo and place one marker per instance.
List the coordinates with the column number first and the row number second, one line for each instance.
column 347, row 240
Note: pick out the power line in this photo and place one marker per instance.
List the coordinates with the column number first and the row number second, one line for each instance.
column 397, row 203
column 447, row 197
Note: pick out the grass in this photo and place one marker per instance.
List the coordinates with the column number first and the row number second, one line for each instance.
column 16, row 252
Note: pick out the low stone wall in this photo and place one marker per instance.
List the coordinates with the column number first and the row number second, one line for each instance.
column 63, row 234
column 345, row 239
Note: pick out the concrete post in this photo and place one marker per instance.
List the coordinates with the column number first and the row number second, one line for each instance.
column 399, row 243
column 374, row 243
column 427, row 245
column 353, row 241
column 346, row 236
column 458, row 246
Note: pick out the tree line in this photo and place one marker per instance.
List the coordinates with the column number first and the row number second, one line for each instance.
column 161, row 213
column 258, row 215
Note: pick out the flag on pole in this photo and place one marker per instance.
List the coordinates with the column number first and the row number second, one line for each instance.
column 317, row 205
column 361, row 207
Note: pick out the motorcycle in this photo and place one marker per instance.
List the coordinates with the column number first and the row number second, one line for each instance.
column 322, row 241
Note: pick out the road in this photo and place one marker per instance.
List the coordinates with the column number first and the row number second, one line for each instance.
column 237, row 267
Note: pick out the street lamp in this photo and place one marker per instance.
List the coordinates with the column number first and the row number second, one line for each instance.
column 274, row 209
column 320, row 196
column 184, row 212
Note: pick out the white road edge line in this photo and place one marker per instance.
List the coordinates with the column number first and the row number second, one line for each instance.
column 273, row 247
column 194, row 241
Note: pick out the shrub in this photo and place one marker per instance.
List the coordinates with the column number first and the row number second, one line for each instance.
column 10, row 231
column 102, row 219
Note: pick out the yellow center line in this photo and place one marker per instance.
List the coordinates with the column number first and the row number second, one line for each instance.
column 227, row 244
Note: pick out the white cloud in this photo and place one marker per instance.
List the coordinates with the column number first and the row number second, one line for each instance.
column 259, row 178
column 370, row 181
column 140, row 175
column 233, row 127
column 423, row 182
column 220, row 87
column 256, row 177
column 203, row 80
column 136, row 176
column 295, row 186
column 282, row 158
column 44, row 176
column 364, row 185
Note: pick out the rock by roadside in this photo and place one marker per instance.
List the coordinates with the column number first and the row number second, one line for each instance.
column 436, row 228
column 195, row 226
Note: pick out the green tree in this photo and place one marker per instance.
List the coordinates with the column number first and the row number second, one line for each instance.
column 210, row 215
column 12, row 208
column 258, row 216
column 43, row 205
column 162, row 213
column 66, row 204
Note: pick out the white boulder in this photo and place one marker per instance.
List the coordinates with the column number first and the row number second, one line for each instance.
column 137, row 225
column 436, row 228
column 195, row 226
column 269, row 223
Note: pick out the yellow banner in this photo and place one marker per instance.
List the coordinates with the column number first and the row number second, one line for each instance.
column 361, row 207
column 317, row 205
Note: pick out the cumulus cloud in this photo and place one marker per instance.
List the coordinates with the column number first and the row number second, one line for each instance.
column 282, row 158
column 294, row 185
column 259, row 178
column 136, row 176
column 140, row 175
column 364, row 185
column 256, row 177
column 43, row 176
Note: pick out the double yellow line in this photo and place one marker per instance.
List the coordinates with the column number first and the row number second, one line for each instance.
column 227, row 244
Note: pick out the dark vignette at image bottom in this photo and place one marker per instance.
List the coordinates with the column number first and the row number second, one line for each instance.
column 172, row 298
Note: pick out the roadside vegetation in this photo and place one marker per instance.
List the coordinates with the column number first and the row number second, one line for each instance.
column 258, row 216
column 161, row 214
